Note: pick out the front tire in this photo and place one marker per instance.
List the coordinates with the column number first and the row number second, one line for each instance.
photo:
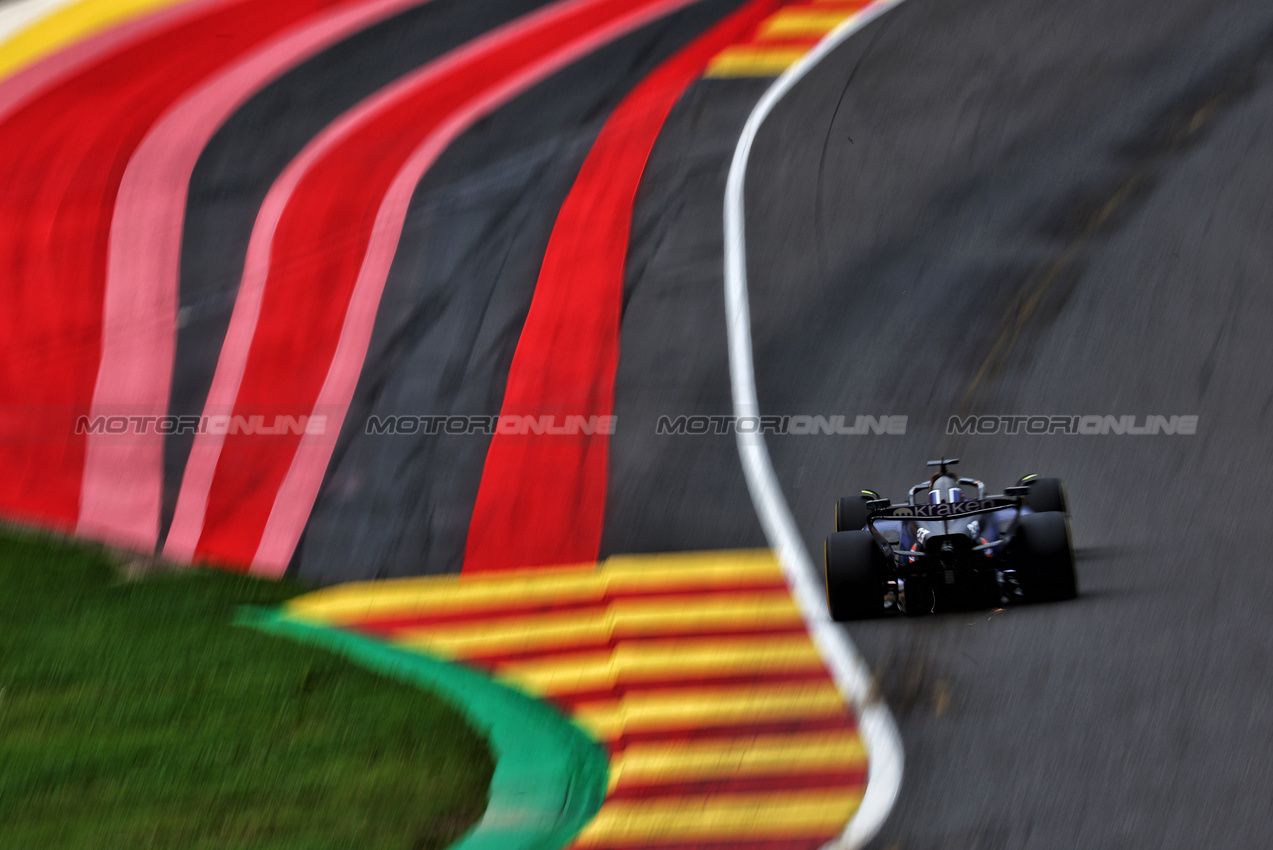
column 1044, row 558
column 855, row 576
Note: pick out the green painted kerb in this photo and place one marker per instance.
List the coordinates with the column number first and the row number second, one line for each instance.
column 550, row 776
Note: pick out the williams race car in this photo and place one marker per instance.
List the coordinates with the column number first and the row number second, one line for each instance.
column 949, row 551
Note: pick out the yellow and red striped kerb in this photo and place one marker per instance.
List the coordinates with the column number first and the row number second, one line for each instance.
column 782, row 38
column 696, row 671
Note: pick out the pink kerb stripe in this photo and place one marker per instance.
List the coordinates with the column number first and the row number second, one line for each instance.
column 123, row 478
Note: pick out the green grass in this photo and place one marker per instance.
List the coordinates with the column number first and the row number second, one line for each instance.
column 134, row 715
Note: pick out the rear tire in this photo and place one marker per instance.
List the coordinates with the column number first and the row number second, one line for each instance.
column 851, row 513
column 1044, row 558
column 1047, row 494
column 855, row 576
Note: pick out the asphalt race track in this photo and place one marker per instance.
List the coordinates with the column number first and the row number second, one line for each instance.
column 949, row 165
column 906, row 199
column 1071, row 201
column 971, row 208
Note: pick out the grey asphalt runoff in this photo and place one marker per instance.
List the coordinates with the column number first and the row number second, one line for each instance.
column 459, row 288
column 453, row 309
column 1021, row 208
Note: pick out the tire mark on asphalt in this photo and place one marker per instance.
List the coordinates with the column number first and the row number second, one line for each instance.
column 1150, row 155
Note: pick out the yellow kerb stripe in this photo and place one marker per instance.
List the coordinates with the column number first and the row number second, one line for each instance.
column 684, row 659
column 473, row 594
column 747, row 60
column 744, row 561
column 689, row 708
column 351, row 603
column 66, row 26
column 790, row 814
column 803, row 23
column 690, row 761
column 596, row 627
column 691, row 571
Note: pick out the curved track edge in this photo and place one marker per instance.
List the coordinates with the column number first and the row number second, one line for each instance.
column 550, row 776
column 849, row 669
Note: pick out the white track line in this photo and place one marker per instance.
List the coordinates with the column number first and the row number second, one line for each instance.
column 852, row 675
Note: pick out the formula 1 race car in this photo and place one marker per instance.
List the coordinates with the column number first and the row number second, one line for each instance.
column 949, row 551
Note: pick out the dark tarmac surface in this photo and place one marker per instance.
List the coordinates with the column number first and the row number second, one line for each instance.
column 990, row 208
column 1026, row 208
